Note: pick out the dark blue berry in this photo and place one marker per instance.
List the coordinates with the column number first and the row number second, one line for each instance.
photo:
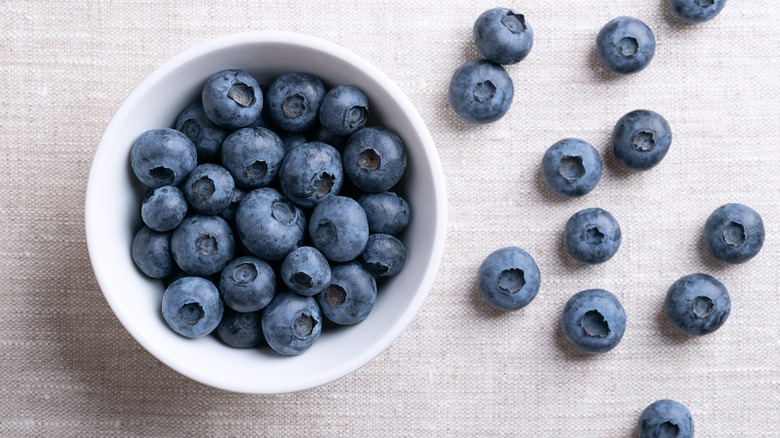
column 503, row 36
column 508, row 279
column 310, row 173
column 269, row 225
column 481, row 91
column 247, row 284
column 204, row 134
column 641, row 139
column 350, row 296
column 253, row 156
column 202, row 245
column 384, row 255
column 593, row 321
column 697, row 304
column 374, row 159
column 294, row 101
column 209, row 189
column 665, row 419
column 696, row 11
column 163, row 208
column 625, row 45
column 734, row 233
column 344, row 110
column 240, row 329
column 338, row 228
column 592, row 236
column 306, row 271
column 232, row 99
column 162, row 157
column 192, row 307
column 571, row 167
column 291, row 323
column 151, row 251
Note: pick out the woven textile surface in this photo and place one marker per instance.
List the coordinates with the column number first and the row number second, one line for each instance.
column 68, row 367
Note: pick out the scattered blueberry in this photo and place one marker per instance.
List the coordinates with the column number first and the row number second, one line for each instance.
column 151, row 252
column 294, row 101
column 253, row 156
column 571, row 167
column 305, row 271
column 696, row 11
column 269, row 225
column 503, row 36
column 338, row 228
column 350, row 295
column 386, row 212
column 384, row 255
column 592, row 236
column 508, row 279
column 310, row 173
column 291, row 323
column 374, row 159
column 697, row 304
column 240, row 329
column 481, row 91
column 665, row 419
column 162, row 157
column 734, row 233
column 625, row 45
column 163, row 208
column 344, row 110
column 593, row 321
column 232, row 99
column 202, row 245
column 641, row 139
column 247, row 284
column 204, row 134
column 209, row 188
column 192, row 307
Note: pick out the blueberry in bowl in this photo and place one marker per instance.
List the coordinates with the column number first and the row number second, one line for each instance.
column 114, row 196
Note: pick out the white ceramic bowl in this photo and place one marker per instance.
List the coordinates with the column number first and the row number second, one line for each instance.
column 113, row 215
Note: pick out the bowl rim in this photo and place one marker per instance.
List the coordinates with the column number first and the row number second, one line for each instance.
column 92, row 203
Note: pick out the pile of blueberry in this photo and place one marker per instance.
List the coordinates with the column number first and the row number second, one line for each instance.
column 269, row 209
column 593, row 320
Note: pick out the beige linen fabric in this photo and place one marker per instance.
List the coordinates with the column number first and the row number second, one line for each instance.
column 67, row 366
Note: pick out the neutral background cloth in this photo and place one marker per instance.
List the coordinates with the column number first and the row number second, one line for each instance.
column 68, row 367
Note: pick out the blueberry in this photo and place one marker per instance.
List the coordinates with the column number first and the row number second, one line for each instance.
column 192, row 307
column 202, row 245
column 294, row 101
column 592, row 236
column 310, row 173
column 253, row 156
column 374, row 159
column 350, row 295
column 665, row 418
column 696, row 11
column 305, row 271
column 508, row 279
column 162, row 157
column 593, row 321
column 209, row 188
column 344, row 110
column 386, row 212
column 247, row 284
column 232, row 99
column 269, row 225
column 163, row 208
column 571, row 167
column 338, row 228
column 641, row 139
column 481, row 91
column 625, row 45
column 384, row 255
column 151, row 252
column 697, row 304
column 503, row 36
column 734, row 233
column 291, row 323
column 240, row 329
column 204, row 134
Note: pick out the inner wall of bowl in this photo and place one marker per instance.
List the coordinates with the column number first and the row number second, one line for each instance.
column 136, row 299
